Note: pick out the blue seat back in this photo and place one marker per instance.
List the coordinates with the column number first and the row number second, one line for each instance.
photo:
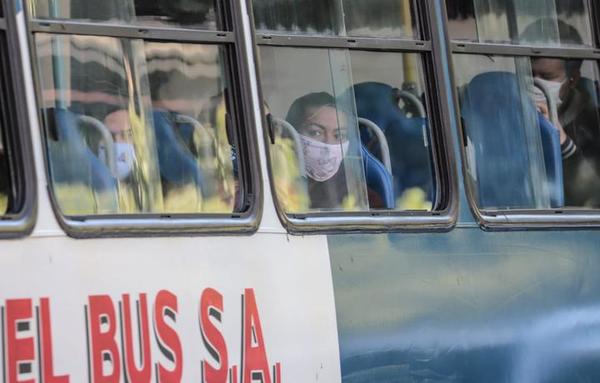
column 71, row 161
column 177, row 165
column 410, row 157
column 378, row 179
column 494, row 112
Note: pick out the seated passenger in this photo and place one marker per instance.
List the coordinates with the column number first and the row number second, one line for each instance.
column 324, row 142
column 575, row 99
column 323, row 131
column 118, row 124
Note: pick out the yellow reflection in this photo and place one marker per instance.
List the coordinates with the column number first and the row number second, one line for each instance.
column 146, row 173
column 3, row 203
column 290, row 186
column 183, row 199
column 224, row 201
column 414, row 199
column 410, row 65
column 79, row 199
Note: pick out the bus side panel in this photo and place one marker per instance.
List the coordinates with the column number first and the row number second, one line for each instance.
column 468, row 306
column 258, row 307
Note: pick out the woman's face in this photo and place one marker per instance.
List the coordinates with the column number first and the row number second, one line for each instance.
column 118, row 124
column 325, row 125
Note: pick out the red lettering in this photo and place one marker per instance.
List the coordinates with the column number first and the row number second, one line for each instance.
column 20, row 350
column 277, row 373
column 211, row 306
column 143, row 374
column 233, row 375
column 254, row 362
column 102, row 331
column 45, row 334
column 165, row 305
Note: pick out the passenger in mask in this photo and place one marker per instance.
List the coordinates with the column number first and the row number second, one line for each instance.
column 323, row 132
column 575, row 99
column 118, row 124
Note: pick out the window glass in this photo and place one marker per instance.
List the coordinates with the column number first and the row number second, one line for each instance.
column 349, row 130
column 11, row 188
column 560, row 23
column 371, row 18
column 198, row 13
column 532, row 131
column 137, row 127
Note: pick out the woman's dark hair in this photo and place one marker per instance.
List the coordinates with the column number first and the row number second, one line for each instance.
column 567, row 35
column 297, row 113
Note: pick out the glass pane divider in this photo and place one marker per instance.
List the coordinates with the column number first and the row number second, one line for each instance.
column 519, row 50
column 343, row 42
column 141, row 32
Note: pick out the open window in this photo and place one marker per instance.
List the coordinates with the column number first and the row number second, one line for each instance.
column 354, row 131
column 527, row 81
column 145, row 125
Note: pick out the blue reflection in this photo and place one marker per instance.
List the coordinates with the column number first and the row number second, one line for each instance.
column 468, row 306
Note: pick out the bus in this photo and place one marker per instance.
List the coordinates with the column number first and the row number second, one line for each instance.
column 277, row 191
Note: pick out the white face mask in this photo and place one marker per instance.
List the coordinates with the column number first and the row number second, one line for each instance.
column 553, row 91
column 125, row 154
column 322, row 160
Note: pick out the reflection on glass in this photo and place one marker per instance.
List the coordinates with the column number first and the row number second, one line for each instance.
column 125, row 136
column 369, row 18
column 350, row 130
column 529, row 22
column 197, row 14
column 532, row 129
column 380, row 18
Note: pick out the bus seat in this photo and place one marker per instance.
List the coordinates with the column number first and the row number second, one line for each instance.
column 177, row 166
column 378, row 179
column 409, row 155
column 381, row 144
column 553, row 161
column 492, row 110
column 73, row 163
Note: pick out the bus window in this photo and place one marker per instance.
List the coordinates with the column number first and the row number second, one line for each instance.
column 191, row 14
column 141, row 127
column 350, row 128
column 514, row 21
column 532, row 136
column 368, row 18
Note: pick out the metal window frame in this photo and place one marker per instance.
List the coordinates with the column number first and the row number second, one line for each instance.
column 523, row 219
column 21, row 160
column 442, row 153
column 237, row 70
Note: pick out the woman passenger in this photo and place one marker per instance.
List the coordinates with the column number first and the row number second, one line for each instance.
column 323, row 132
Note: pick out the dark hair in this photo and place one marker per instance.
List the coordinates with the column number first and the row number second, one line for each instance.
column 297, row 113
column 567, row 35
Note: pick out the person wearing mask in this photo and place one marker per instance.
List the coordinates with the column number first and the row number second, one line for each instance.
column 576, row 102
column 117, row 123
column 323, row 132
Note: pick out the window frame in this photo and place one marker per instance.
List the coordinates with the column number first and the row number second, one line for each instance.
column 17, row 135
column 237, row 69
column 429, row 49
column 520, row 219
